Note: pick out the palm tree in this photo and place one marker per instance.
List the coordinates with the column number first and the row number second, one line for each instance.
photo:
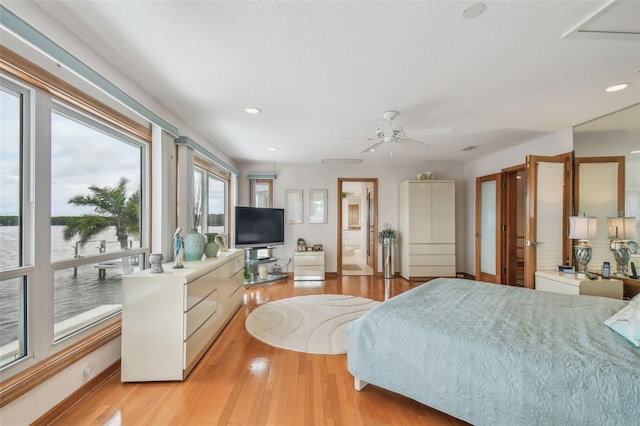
column 112, row 208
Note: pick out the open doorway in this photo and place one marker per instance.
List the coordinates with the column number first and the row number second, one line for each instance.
column 357, row 226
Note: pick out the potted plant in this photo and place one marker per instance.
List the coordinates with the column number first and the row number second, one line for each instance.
column 387, row 237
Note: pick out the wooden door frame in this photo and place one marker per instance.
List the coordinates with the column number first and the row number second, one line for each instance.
column 497, row 177
column 371, row 239
column 510, row 220
column 374, row 181
column 531, row 209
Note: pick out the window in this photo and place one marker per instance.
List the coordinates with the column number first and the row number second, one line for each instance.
column 71, row 219
column 211, row 187
column 217, row 206
column 95, row 211
column 261, row 192
column 14, row 265
column 198, row 193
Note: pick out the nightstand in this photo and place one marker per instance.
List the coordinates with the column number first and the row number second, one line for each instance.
column 308, row 265
column 557, row 282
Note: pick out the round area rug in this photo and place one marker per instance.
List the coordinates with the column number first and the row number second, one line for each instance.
column 314, row 324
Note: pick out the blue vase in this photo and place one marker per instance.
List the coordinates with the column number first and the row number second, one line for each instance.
column 194, row 243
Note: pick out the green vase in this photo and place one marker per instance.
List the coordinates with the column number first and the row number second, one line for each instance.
column 211, row 249
column 194, row 244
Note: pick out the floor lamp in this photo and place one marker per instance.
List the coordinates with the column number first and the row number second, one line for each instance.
column 583, row 229
column 621, row 231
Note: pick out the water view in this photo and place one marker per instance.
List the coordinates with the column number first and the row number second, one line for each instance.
column 76, row 290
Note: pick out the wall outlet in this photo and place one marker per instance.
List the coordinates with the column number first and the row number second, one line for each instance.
column 87, row 371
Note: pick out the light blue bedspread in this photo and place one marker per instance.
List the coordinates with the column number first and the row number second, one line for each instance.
column 497, row 355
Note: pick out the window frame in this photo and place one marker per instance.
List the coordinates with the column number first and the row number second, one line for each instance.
column 209, row 170
column 26, row 268
column 253, row 183
column 46, row 91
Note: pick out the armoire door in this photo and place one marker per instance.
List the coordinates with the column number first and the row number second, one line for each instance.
column 549, row 194
column 488, row 228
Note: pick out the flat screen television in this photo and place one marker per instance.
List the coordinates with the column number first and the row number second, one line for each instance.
column 259, row 226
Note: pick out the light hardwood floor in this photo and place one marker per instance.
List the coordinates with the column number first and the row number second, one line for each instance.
column 242, row 381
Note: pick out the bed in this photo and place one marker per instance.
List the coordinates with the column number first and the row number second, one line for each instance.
column 499, row 355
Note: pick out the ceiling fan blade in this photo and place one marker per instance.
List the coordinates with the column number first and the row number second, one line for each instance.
column 372, row 146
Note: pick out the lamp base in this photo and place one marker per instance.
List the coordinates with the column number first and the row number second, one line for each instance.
column 621, row 256
column 582, row 254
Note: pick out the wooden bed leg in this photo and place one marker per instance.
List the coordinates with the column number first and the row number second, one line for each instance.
column 359, row 384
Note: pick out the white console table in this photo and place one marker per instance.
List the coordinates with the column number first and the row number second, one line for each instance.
column 557, row 282
column 170, row 319
column 308, row 266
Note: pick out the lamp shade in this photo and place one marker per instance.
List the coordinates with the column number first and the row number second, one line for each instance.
column 622, row 228
column 582, row 227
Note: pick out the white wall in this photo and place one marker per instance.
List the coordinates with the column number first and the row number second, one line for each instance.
column 32, row 405
column 321, row 176
column 553, row 144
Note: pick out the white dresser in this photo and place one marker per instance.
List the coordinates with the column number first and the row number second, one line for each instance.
column 555, row 282
column 170, row 319
column 427, row 229
column 308, row 265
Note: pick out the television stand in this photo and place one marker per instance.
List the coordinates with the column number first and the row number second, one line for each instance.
column 252, row 265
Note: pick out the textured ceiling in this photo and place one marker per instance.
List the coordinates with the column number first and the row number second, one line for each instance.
column 323, row 72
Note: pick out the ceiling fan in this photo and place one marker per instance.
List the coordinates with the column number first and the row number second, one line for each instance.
column 391, row 132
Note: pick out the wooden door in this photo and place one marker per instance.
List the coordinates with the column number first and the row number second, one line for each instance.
column 548, row 206
column 489, row 228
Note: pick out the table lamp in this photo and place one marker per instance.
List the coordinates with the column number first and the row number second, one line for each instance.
column 621, row 231
column 583, row 229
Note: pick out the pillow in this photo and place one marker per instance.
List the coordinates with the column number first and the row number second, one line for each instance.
column 626, row 321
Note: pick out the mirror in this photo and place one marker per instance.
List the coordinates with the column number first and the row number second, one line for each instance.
column 616, row 134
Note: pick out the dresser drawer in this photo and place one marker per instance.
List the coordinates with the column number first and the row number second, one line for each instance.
column 308, row 260
column 308, row 273
column 432, row 249
column 200, row 288
column 199, row 313
column 432, row 271
column 199, row 340
column 230, row 296
column 231, row 268
column 433, row 260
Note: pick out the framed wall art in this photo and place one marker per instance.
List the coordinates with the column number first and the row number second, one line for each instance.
column 293, row 205
column 318, row 205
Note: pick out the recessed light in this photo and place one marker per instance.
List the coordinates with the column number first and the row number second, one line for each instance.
column 473, row 11
column 273, row 148
column 618, row 87
column 253, row 110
